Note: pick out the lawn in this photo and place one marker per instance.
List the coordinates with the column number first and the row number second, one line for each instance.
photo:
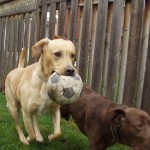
column 72, row 138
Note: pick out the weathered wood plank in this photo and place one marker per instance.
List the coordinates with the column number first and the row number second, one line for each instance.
column 99, row 45
column 107, row 48
column 73, row 20
column 4, row 1
column 52, row 20
column 43, row 22
column 146, row 89
column 3, row 61
column 15, row 41
column 84, row 49
column 7, row 41
column 114, row 55
column 124, row 51
column 137, row 7
column 93, row 36
column 26, row 35
column 33, row 35
column 61, row 19
column 143, row 54
column 20, row 34
column 79, row 30
column 1, row 50
column 16, row 7
column 10, row 43
column 43, row 2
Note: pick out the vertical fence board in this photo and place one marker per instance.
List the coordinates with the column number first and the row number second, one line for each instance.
column 93, row 36
column 99, row 45
column 143, row 54
column 85, row 39
column 61, row 19
column 43, row 22
column 15, row 40
column 33, row 35
column 20, row 35
column 7, row 42
column 73, row 21
column 115, row 45
column 1, row 50
column 137, row 7
column 11, row 38
column 3, row 61
column 107, row 47
column 124, row 52
column 146, row 90
column 26, row 35
column 1, row 37
column 52, row 20
column 79, row 29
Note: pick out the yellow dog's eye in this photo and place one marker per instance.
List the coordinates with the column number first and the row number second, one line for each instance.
column 57, row 54
column 72, row 55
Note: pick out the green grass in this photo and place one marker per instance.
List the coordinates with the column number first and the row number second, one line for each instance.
column 72, row 138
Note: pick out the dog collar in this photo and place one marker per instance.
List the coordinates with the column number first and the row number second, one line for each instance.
column 43, row 80
column 115, row 134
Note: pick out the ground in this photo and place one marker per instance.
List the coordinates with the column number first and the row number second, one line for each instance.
column 72, row 138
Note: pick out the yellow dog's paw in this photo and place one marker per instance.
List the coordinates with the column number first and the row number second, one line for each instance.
column 24, row 141
column 52, row 137
column 40, row 139
column 31, row 138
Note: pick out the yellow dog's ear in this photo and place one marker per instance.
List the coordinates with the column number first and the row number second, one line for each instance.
column 58, row 37
column 37, row 49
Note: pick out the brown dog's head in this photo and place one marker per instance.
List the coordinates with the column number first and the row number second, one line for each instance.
column 132, row 126
column 56, row 56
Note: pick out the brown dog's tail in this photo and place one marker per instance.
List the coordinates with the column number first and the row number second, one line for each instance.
column 22, row 58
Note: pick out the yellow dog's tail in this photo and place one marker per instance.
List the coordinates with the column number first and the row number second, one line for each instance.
column 22, row 58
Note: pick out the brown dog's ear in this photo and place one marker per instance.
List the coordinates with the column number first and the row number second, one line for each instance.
column 58, row 37
column 37, row 49
column 118, row 116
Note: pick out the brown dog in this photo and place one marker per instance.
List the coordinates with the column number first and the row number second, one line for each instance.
column 105, row 122
column 26, row 87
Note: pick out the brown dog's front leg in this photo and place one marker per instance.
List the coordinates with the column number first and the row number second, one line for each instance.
column 56, row 121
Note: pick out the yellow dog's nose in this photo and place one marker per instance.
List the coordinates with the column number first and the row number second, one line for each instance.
column 69, row 71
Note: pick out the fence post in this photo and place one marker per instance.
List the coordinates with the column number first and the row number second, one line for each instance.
column 84, row 49
column 99, row 45
column 143, row 54
column 137, row 7
column 114, row 51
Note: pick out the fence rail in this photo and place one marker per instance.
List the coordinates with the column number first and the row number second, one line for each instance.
column 111, row 37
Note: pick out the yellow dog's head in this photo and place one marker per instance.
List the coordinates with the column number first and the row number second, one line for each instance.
column 56, row 56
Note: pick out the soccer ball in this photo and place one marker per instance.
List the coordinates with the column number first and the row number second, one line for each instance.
column 64, row 89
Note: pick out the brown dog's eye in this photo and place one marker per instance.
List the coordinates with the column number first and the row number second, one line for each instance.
column 57, row 54
column 72, row 55
column 140, row 125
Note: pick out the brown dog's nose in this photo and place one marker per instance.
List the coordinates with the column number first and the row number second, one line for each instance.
column 69, row 71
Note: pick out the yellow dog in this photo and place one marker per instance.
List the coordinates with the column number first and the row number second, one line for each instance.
column 26, row 87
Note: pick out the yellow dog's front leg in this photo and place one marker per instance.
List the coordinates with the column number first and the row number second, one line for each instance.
column 56, row 121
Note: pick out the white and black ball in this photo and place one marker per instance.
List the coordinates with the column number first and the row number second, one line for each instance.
column 64, row 89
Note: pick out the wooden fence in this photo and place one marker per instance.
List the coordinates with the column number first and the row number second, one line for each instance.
column 111, row 37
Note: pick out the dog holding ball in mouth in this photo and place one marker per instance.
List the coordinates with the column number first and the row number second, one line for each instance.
column 43, row 86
